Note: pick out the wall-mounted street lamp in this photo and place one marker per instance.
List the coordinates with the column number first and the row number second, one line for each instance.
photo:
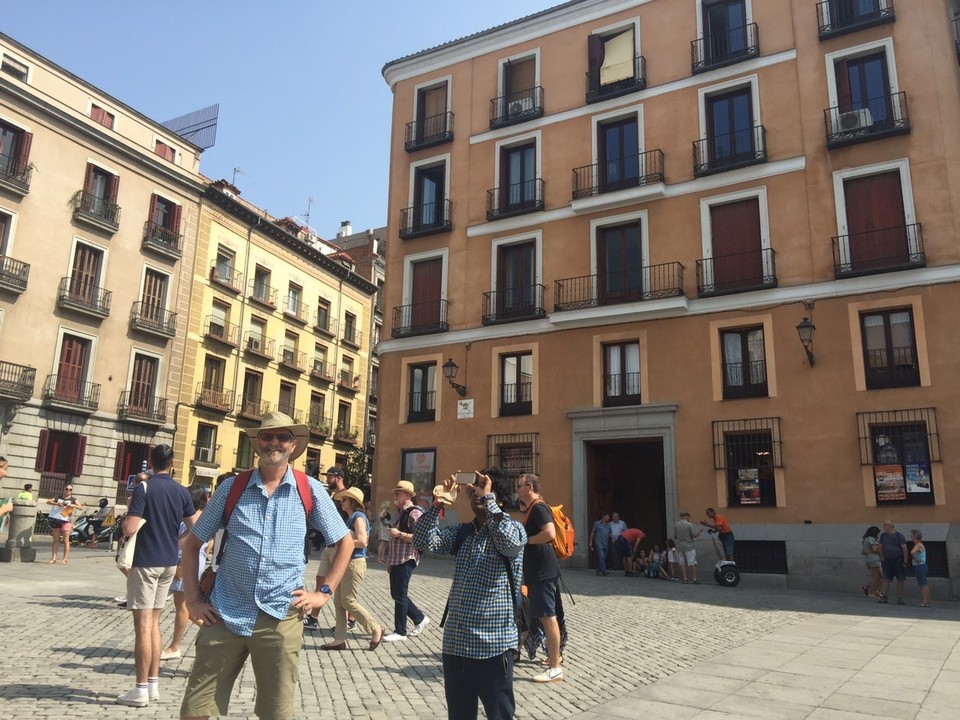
column 450, row 369
column 805, row 330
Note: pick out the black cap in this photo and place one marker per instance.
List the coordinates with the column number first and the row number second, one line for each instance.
column 335, row 471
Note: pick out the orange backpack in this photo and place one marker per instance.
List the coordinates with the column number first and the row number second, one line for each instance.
column 564, row 539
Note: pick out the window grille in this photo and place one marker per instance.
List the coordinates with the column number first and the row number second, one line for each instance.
column 749, row 437
column 894, row 423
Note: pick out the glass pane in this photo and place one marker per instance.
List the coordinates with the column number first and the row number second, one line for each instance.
column 631, row 358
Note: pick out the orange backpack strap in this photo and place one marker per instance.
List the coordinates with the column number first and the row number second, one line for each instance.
column 530, row 510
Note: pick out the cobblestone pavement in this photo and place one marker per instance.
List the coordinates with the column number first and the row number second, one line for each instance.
column 68, row 649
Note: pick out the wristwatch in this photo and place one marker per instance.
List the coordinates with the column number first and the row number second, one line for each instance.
column 325, row 589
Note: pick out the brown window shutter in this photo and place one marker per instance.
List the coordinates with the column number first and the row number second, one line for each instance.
column 152, row 214
column 78, row 452
column 42, row 450
column 23, row 152
column 88, row 180
column 113, row 188
column 118, row 462
column 594, row 61
column 843, row 86
column 175, row 221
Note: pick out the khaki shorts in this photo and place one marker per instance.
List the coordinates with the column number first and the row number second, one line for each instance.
column 147, row 587
column 274, row 650
column 689, row 557
column 326, row 560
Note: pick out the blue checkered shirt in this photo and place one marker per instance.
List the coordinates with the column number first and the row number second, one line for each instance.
column 481, row 621
column 263, row 559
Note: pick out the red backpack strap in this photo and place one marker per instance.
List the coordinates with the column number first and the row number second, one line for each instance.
column 303, row 487
column 240, row 482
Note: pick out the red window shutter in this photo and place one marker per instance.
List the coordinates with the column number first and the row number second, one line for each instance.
column 113, row 188
column 118, row 462
column 42, row 450
column 175, row 220
column 23, row 153
column 152, row 214
column 78, row 452
column 88, row 180
column 843, row 86
column 96, row 114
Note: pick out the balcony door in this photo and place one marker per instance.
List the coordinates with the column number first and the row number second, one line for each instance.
column 848, row 12
column 876, row 224
column 428, row 197
column 154, row 297
column 519, row 79
column 518, row 177
column 72, row 368
column 724, row 28
column 425, row 288
column 619, row 264
column 142, row 384
column 431, row 112
column 736, row 245
column 863, row 86
column 85, row 276
column 516, row 277
column 619, row 154
column 729, row 127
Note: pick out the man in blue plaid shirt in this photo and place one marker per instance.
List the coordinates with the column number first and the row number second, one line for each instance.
column 480, row 633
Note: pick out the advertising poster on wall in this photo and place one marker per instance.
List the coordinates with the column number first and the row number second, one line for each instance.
column 419, row 467
column 889, row 480
column 748, row 486
column 918, row 478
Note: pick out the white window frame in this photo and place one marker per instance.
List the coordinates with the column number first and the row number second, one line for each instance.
column 531, row 53
column 134, row 351
column 430, row 85
column 100, row 104
column 91, row 362
column 11, row 228
column 516, row 141
column 443, row 159
column 101, row 166
column 619, row 114
column 706, row 226
column 720, row 88
column 159, row 271
column 103, row 265
column 747, row 11
column 22, row 61
column 885, row 44
column 409, row 260
column 536, row 236
column 622, row 219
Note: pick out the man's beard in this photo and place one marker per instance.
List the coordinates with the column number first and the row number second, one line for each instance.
column 272, row 458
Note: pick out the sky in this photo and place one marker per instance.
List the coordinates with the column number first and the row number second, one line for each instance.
column 304, row 109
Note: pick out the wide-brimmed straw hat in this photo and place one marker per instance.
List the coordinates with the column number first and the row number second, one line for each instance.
column 275, row 420
column 354, row 493
column 407, row 487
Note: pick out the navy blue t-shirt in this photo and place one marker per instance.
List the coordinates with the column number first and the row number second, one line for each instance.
column 164, row 504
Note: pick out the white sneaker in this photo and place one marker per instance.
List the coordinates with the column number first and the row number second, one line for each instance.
column 169, row 655
column 420, row 626
column 549, row 675
column 120, row 599
column 138, row 697
column 394, row 637
column 154, row 692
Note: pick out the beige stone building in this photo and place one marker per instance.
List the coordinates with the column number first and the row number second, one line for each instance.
column 98, row 215
column 640, row 210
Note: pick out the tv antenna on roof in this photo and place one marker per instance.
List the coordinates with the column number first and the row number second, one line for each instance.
column 237, row 171
column 306, row 215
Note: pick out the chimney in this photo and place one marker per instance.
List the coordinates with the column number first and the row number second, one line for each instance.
column 346, row 230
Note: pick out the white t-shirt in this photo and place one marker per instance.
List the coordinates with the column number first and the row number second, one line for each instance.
column 616, row 528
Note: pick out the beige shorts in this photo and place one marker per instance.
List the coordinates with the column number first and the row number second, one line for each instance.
column 147, row 587
column 326, row 560
column 689, row 557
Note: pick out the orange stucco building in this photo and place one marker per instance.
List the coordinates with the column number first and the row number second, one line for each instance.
column 618, row 219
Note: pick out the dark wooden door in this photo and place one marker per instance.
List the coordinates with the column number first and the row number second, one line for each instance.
column 72, row 367
column 876, row 224
column 143, row 383
column 427, row 280
column 85, row 277
column 619, row 264
column 737, row 251
column 154, row 297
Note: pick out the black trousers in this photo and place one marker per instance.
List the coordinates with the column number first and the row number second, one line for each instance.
column 489, row 680
column 403, row 606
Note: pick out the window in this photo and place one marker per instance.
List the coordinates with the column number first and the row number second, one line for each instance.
column 223, row 270
column 73, row 368
column 618, row 144
column 129, row 458
column 744, row 363
column 434, row 123
column 153, row 301
column 748, row 450
column 163, row 224
column 167, row 152
column 516, row 384
column 612, row 63
column 14, row 152
column 294, row 300
column 516, row 294
column 518, row 189
column 878, row 237
column 323, row 314
column 422, row 401
column 261, row 290
column 730, row 136
column 738, row 259
column 519, row 83
column 425, row 311
column 61, row 452
column 14, row 68
column 515, row 454
column 246, row 455
column 889, row 349
column 104, row 117
column 287, row 399
column 85, row 274
column 619, row 263
column 351, row 333
column 318, row 411
column 290, row 341
column 99, row 195
column 213, row 373
column 252, row 400
column 621, row 374
column 257, row 338
column 853, row 14
column 429, row 191
column 728, row 37
column 344, row 429
column 6, row 223
column 219, row 317
column 143, row 386
column 901, row 445
column 205, row 446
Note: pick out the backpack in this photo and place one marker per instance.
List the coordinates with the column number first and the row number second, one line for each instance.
column 403, row 521
column 564, row 540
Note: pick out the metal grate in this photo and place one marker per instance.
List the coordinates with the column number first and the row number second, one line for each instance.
column 766, row 557
column 515, row 454
column 752, row 435
column 894, row 423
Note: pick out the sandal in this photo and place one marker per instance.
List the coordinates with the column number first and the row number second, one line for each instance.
column 334, row 646
column 377, row 638
column 52, row 562
column 63, row 562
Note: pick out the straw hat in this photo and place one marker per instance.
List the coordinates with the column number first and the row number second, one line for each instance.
column 275, row 420
column 354, row 493
column 405, row 486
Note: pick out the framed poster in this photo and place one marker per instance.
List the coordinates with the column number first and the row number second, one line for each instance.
column 419, row 466
column 889, row 483
column 748, row 486
column 918, row 478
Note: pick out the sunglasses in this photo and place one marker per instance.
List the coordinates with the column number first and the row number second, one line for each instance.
column 68, row 488
column 270, row 437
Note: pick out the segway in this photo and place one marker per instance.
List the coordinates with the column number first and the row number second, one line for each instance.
column 725, row 572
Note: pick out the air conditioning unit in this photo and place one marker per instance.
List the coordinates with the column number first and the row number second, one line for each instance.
column 254, row 344
column 854, row 120
column 205, row 454
column 518, row 107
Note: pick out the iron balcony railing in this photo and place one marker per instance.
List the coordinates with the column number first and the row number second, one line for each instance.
column 17, row 381
column 322, row 370
column 420, row 319
column 598, row 90
column 72, row 391
column 516, row 107
column 653, row 282
column 618, row 174
column 740, row 272
column 324, row 323
column 744, row 379
column 513, row 304
column 878, row 251
column 352, row 335
column 422, row 406
column 426, row 219
column 719, row 49
column 162, row 239
column 152, row 318
column 839, row 17
column 428, row 131
column 227, row 277
column 262, row 293
column 15, row 173
column 728, row 151
column 214, row 397
column 258, row 344
column 103, row 212
column 893, row 367
column 292, row 359
column 346, row 380
column 517, row 199
column 346, row 434
column 216, row 328
column 139, row 406
column 516, row 399
column 878, row 117
column 317, row 424
column 77, row 293
column 296, row 309
column 621, row 389
column 13, row 274
column 252, row 408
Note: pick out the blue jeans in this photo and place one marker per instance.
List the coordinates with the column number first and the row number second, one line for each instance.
column 602, row 557
column 489, row 680
column 403, row 606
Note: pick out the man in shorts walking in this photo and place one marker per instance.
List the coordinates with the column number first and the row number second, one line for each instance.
column 154, row 563
column 685, row 532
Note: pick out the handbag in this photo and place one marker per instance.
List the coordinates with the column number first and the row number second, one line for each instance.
column 128, row 545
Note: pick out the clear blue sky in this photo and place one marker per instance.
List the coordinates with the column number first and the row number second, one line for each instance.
column 304, row 110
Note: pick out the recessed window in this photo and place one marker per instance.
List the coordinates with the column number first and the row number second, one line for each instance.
column 167, row 152
column 85, row 284
column 73, row 369
column 515, row 454
column 287, row 399
column 621, row 374
column 901, row 461
column 422, row 401
column 744, row 363
column 516, row 384
column 102, row 116
column 205, row 446
column 15, row 146
column 748, row 450
column 889, row 349
column 14, row 68
column 614, row 66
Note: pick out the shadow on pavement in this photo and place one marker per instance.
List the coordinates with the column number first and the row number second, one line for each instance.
column 43, row 691
column 65, row 601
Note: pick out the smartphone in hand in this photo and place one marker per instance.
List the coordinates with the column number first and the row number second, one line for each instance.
column 465, row 478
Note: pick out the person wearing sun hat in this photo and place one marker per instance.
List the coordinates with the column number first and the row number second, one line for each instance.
column 258, row 597
column 402, row 560
column 334, row 481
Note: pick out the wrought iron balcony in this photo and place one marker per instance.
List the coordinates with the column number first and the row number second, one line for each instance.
column 729, row 151
column 653, row 282
column 618, row 174
column 346, row 380
column 422, row 407
column 516, row 399
column 516, row 108
column 13, row 274
column 260, row 345
column 598, row 90
column 71, row 392
column 893, row 367
column 15, row 175
column 839, row 17
column 214, row 398
column 162, row 240
column 296, row 310
column 740, row 272
column 352, row 335
column 372, row 393
column 82, row 295
column 252, row 408
column 317, row 424
column 206, row 455
column 226, row 277
column 218, row 329
column 262, row 293
column 346, row 434
column 879, row 251
column 428, row 132
column 151, row 318
column 621, row 389
column 324, row 323
column 139, row 407
column 517, row 199
column 717, row 50
column 744, row 379
column 426, row 219
column 16, row 381
column 881, row 117
column 321, row 370
column 97, row 211
column 513, row 304
column 291, row 359
column 420, row 319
